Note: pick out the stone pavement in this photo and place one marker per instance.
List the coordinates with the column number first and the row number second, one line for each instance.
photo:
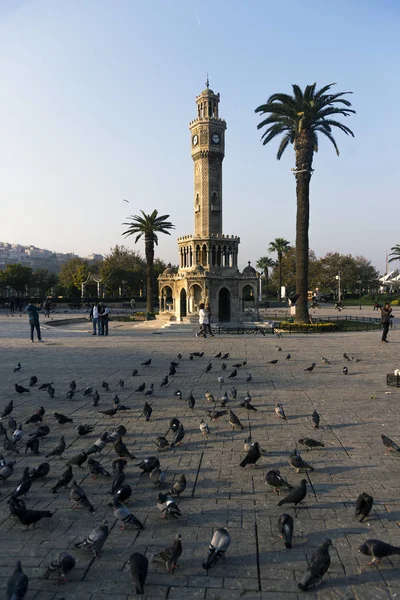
column 219, row 492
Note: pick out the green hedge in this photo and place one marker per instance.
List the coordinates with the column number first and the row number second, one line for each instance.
column 308, row 327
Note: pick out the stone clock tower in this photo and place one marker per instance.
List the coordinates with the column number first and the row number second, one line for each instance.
column 208, row 259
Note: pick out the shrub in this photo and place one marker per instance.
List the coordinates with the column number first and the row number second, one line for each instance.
column 305, row 327
column 395, row 303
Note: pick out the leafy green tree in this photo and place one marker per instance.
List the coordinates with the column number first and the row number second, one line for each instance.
column 264, row 263
column 18, row 277
column 44, row 280
column 122, row 265
column 148, row 225
column 72, row 274
column 299, row 119
column 281, row 247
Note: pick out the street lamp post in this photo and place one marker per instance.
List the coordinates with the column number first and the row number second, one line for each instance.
column 339, row 290
column 359, row 291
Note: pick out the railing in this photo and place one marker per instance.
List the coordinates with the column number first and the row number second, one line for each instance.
column 240, row 329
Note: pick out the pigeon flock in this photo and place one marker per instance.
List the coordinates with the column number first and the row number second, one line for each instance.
column 90, row 456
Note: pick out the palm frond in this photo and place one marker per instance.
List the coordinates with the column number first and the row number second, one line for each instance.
column 298, row 94
column 283, row 145
column 340, row 126
column 330, row 137
column 309, row 92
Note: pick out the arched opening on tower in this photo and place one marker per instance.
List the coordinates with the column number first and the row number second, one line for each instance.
column 195, row 298
column 182, row 300
column 204, row 255
column 224, row 305
column 167, row 299
column 248, row 298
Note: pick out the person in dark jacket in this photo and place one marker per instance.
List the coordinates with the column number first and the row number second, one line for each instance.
column 33, row 315
column 104, row 317
column 386, row 315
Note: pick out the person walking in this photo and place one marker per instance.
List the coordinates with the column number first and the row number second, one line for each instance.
column 94, row 313
column 33, row 315
column 386, row 315
column 208, row 325
column 47, row 307
column 203, row 321
column 104, row 316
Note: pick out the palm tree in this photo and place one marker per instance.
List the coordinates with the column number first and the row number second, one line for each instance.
column 281, row 247
column 148, row 226
column 265, row 263
column 299, row 119
column 395, row 254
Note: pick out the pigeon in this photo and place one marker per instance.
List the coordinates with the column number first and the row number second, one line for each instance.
column 122, row 494
column 178, row 437
column 62, row 419
column 7, row 470
column 72, row 385
column 285, row 526
column 149, row 464
column 218, row 355
column 118, row 479
column 124, row 515
column 70, row 394
column 78, row 496
column 178, row 394
column 116, row 401
column 233, row 374
column 210, row 397
column 219, row 544
column 191, row 401
column 105, row 386
column 12, row 424
column 110, row 412
column 345, row 356
column 146, row 363
column 147, row 410
column 164, row 382
column 162, row 443
column 18, row 367
column 95, row 539
column 140, row 388
column 44, row 386
column 29, row 517
column 139, row 566
column 135, row 372
column 378, row 549
column 17, row 584
column 225, row 356
column 58, row 450
column 169, row 556
column 64, row 480
column 121, row 383
column 390, row 445
column 84, row 429
column 216, row 414
column 99, row 444
column 345, row 371
column 168, row 507
column 78, row 460
column 18, row 434
column 122, row 450
column 249, row 377
column 36, row 418
column 23, row 487
column 247, row 444
column 234, row 420
column 225, row 400
column 298, row 463
column 21, row 390
column 288, row 357
column 296, row 495
column 208, row 367
column 88, row 391
column 272, row 362
column 63, row 564
column 172, row 371
column 236, row 366
column 221, row 381
column 32, row 445
column 325, row 361
column 252, row 455
column 199, row 354
column 9, row 445
column 96, row 398
column 51, row 391
column 40, row 471
column 315, row 420
column 310, row 443
column 311, row 367
column 233, row 393
column 33, row 381
column 174, row 424
column 204, row 428
column 173, row 364
column 318, row 565
column 280, row 413
column 179, row 486
column 363, row 506
column 3, row 430
column 223, row 367
column 278, row 348
column 96, row 468
column 150, row 391
column 157, row 477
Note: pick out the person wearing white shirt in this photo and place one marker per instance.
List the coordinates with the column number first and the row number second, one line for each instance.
column 94, row 313
column 203, row 321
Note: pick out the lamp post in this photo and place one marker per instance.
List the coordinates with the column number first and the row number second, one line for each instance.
column 359, row 291
column 339, row 290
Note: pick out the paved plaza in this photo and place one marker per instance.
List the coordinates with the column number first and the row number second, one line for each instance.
column 355, row 410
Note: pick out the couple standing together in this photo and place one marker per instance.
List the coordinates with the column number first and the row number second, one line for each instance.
column 99, row 313
column 204, row 321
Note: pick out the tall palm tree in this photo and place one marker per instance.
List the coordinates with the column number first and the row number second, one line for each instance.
column 265, row 263
column 299, row 119
column 395, row 254
column 281, row 247
column 148, row 226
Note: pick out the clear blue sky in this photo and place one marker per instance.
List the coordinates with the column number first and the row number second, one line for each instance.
column 96, row 98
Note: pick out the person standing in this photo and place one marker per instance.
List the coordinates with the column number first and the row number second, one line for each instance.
column 47, row 307
column 386, row 315
column 33, row 315
column 12, row 307
column 203, row 321
column 104, row 316
column 95, row 318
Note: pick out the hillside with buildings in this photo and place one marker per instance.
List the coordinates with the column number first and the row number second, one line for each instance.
column 37, row 258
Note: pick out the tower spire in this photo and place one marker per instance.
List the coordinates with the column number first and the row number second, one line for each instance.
column 207, row 82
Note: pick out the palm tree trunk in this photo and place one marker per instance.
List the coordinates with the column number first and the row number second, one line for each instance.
column 280, row 276
column 149, row 254
column 304, row 157
column 266, row 282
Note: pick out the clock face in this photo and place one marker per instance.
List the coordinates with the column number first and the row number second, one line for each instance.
column 215, row 138
column 195, row 140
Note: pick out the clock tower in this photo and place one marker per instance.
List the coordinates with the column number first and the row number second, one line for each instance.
column 208, row 151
